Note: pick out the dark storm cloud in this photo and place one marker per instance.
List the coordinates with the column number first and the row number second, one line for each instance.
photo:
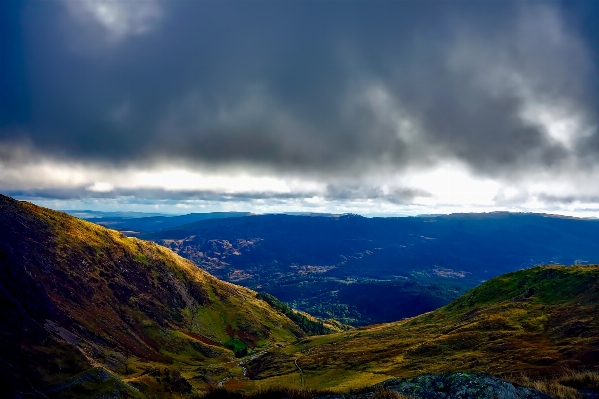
column 327, row 87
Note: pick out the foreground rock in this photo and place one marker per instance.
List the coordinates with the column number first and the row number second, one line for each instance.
column 461, row 386
column 449, row 386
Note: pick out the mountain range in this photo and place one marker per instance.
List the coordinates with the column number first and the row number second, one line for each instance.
column 375, row 270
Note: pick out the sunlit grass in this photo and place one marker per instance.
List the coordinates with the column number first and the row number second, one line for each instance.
column 544, row 319
column 564, row 385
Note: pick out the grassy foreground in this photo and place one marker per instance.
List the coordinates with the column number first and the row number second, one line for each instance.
column 567, row 385
column 535, row 322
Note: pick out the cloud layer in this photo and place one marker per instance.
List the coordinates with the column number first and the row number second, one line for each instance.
column 483, row 104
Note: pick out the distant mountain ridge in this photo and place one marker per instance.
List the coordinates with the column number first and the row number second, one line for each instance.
column 87, row 214
column 354, row 268
column 132, row 225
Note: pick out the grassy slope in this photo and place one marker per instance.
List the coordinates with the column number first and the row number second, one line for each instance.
column 125, row 304
column 534, row 321
column 128, row 306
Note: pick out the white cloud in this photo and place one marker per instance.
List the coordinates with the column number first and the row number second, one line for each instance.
column 450, row 184
column 101, row 187
column 117, row 18
column 448, row 187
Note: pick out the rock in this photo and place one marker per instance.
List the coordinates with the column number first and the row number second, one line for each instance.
column 449, row 386
column 461, row 386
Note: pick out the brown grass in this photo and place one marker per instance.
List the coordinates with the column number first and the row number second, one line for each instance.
column 484, row 331
column 271, row 393
column 586, row 379
column 381, row 392
column 564, row 386
column 551, row 387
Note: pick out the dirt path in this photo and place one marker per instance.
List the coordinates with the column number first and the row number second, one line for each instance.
column 301, row 373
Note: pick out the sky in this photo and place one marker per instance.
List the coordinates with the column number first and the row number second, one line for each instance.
column 372, row 107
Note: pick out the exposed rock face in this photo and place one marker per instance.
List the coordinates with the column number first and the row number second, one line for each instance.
column 450, row 386
column 461, row 386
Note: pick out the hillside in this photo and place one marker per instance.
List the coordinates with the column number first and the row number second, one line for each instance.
column 535, row 321
column 358, row 269
column 88, row 311
column 77, row 296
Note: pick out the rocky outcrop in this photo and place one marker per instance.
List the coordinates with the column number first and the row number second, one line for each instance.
column 449, row 386
column 461, row 386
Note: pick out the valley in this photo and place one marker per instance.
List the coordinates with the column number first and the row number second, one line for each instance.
column 365, row 271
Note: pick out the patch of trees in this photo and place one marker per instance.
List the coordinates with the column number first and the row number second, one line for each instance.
column 310, row 327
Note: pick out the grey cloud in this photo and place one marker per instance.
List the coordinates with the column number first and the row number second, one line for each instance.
column 332, row 193
column 568, row 199
column 472, row 94
column 282, row 85
column 360, row 192
column 550, row 200
column 82, row 192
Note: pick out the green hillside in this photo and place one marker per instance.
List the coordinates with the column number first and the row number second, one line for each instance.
column 77, row 297
column 535, row 321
